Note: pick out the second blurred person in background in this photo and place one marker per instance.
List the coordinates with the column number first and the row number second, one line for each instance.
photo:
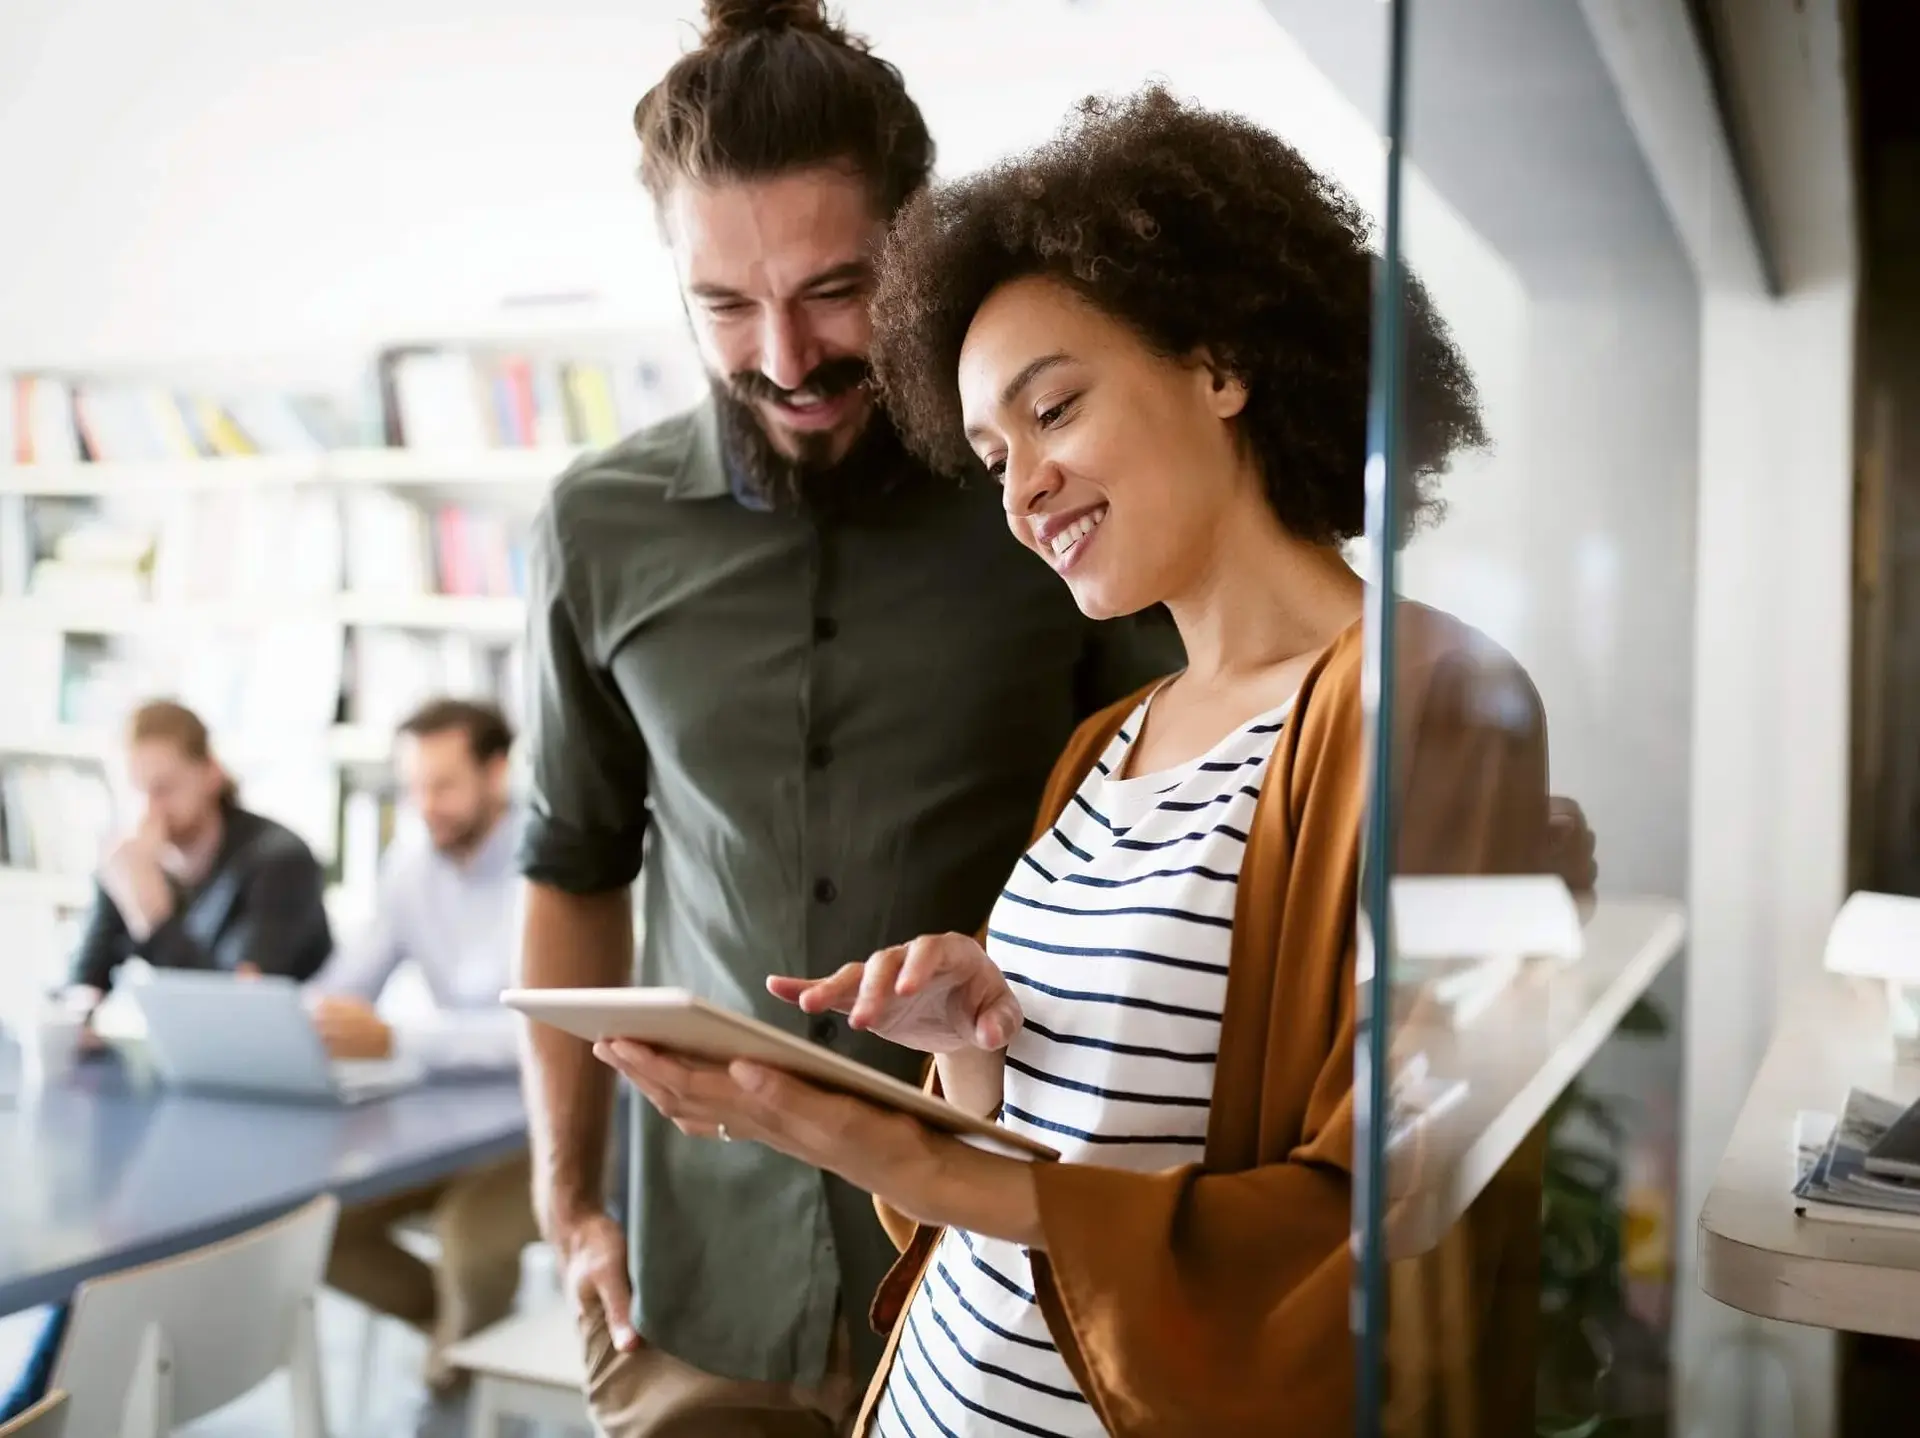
column 446, row 904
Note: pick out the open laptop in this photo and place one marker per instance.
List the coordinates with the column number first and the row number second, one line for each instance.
column 213, row 1032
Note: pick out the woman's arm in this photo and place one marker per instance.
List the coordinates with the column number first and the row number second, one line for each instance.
column 973, row 1079
column 926, row 1176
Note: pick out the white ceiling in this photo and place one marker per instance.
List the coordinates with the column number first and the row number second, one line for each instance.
column 219, row 176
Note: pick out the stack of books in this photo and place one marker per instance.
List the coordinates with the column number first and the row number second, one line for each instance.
column 1862, row 1168
column 71, row 547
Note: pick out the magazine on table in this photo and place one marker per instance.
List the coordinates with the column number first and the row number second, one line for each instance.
column 1839, row 1188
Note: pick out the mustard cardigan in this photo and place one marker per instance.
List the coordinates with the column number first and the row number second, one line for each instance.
column 1212, row 1300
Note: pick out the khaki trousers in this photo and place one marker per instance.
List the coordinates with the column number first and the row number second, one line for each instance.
column 482, row 1219
column 651, row 1395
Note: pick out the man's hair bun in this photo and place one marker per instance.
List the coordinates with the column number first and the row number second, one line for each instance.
column 736, row 19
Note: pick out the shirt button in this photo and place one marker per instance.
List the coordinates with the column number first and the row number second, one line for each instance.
column 825, row 626
column 825, row 890
column 824, row 1029
column 819, row 756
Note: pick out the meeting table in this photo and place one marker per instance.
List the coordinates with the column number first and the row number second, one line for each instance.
column 105, row 1170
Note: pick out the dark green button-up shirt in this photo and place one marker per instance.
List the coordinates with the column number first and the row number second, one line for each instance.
column 808, row 738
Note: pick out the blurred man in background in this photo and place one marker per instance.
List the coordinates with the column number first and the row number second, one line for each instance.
column 200, row 883
column 447, row 904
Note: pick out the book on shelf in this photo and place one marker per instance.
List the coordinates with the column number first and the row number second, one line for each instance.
column 368, row 820
column 400, row 548
column 395, row 547
column 193, row 544
column 98, row 682
column 42, row 428
column 54, row 818
column 483, row 397
column 242, row 544
column 52, row 419
column 76, row 547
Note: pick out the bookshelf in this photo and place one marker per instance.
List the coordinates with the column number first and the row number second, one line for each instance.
column 530, row 468
column 490, row 617
column 302, row 560
column 302, row 655
column 348, row 745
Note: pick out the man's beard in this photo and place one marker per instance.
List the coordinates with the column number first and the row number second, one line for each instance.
column 462, row 840
column 810, row 478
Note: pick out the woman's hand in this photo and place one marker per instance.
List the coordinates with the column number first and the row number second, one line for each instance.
column 928, row 1176
column 938, row 994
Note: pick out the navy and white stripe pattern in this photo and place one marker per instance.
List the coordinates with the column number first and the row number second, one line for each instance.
column 1114, row 933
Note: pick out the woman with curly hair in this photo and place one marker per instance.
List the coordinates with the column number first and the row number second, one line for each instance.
column 1153, row 335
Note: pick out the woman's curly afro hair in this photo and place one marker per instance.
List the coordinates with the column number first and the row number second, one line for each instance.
column 1199, row 231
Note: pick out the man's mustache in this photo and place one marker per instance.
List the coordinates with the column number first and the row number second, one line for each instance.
column 827, row 381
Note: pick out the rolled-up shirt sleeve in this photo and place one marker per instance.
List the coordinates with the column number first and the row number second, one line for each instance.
column 587, row 800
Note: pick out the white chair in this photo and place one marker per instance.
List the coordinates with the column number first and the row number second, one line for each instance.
column 46, row 1419
column 528, row 1366
column 416, row 1235
column 159, row 1346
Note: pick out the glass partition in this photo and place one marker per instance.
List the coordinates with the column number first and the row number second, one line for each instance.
column 1530, row 539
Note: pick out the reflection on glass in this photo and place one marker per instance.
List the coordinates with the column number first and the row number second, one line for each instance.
column 1528, row 643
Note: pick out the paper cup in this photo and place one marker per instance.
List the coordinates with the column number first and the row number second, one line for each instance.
column 49, row 1046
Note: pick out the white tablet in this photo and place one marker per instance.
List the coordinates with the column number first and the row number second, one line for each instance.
column 674, row 1019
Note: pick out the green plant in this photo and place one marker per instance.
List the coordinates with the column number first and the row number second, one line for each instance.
column 1581, row 1222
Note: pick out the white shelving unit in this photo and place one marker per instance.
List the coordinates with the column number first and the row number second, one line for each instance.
column 354, row 745
column 510, row 481
column 381, row 468
column 486, row 618
column 30, row 886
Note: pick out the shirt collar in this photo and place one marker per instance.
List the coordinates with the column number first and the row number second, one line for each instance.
column 707, row 471
column 704, row 472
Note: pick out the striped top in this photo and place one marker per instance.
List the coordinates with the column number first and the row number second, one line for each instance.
column 1114, row 932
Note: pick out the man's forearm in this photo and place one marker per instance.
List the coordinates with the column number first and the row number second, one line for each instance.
column 571, row 941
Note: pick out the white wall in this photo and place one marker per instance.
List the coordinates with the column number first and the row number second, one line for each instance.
column 1770, row 782
column 1771, row 714
column 1770, row 836
column 233, row 180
